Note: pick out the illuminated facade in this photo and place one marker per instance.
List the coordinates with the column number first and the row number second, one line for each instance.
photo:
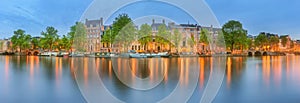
column 5, row 45
column 187, row 32
column 94, row 30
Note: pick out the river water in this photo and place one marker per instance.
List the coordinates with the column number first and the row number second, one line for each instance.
column 273, row 79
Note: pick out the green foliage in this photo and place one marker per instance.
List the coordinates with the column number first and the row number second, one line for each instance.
column 64, row 43
column 176, row 39
column 49, row 38
column 248, row 44
column 274, row 40
column 144, row 34
column 284, row 40
column 72, row 32
column 35, row 43
column 20, row 40
column 203, row 36
column 127, row 35
column 1, row 45
column 163, row 35
column 220, row 40
column 80, row 37
column 243, row 42
column 192, row 41
column 107, row 37
column 234, row 34
column 120, row 22
column 261, row 40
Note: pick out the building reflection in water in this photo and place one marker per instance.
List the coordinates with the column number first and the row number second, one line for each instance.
column 6, row 68
column 229, row 69
column 86, row 70
column 166, row 71
column 266, row 67
column 32, row 67
column 202, row 72
column 234, row 68
column 276, row 64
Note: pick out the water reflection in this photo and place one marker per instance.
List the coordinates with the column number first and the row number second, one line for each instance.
column 37, row 79
column 261, row 79
column 253, row 79
column 6, row 67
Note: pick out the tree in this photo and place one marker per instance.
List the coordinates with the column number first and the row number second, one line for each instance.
column 80, row 38
column 248, row 44
column 71, row 34
column 1, row 45
column 64, row 43
column 145, row 35
column 220, row 40
column 107, row 37
column 50, row 37
column 120, row 22
column 261, row 40
column 20, row 40
column 242, row 42
column 176, row 39
column 284, row 40
column 274, row 41
column 163, row 35
column 234, row 34
column 204, row 37
column 35, row 43
column 192, row 42
column 127, row 35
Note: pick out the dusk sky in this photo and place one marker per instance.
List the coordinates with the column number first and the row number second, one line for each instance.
column 275, row 16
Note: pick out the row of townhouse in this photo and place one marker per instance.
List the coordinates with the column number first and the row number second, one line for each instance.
column 95, row 30
column 290, row 45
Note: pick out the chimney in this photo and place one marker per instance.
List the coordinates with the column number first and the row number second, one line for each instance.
column 163, row 21
column 101, row 21
column 153, row 21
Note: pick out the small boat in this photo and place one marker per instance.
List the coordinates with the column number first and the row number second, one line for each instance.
column 134, row 54
column 62, row 54
column 164, row 54
column 45, row 54
column 76, row 55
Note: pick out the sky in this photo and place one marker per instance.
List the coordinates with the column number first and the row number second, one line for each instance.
column 274, row 16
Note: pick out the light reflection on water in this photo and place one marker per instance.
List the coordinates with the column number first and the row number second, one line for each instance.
column 247, row 79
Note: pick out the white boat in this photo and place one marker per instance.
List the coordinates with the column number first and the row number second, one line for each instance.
column 76, row 55
column 133, row 54
column 164, row 54
column 136, row 55
column 45, row 54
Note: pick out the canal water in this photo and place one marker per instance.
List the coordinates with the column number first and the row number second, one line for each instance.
column 273, row 79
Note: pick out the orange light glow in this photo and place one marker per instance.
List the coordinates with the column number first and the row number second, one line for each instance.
column 6, row 67
column 229, row 69
column 202, row 75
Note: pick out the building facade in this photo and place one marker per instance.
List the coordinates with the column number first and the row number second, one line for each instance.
column 188, row 32
column 94, row 30
column 5, row 45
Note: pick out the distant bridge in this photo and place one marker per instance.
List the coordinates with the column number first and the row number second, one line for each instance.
column 32, row 52
column 258, row 53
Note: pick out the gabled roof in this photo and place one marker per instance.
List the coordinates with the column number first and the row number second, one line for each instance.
column 92, row 22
